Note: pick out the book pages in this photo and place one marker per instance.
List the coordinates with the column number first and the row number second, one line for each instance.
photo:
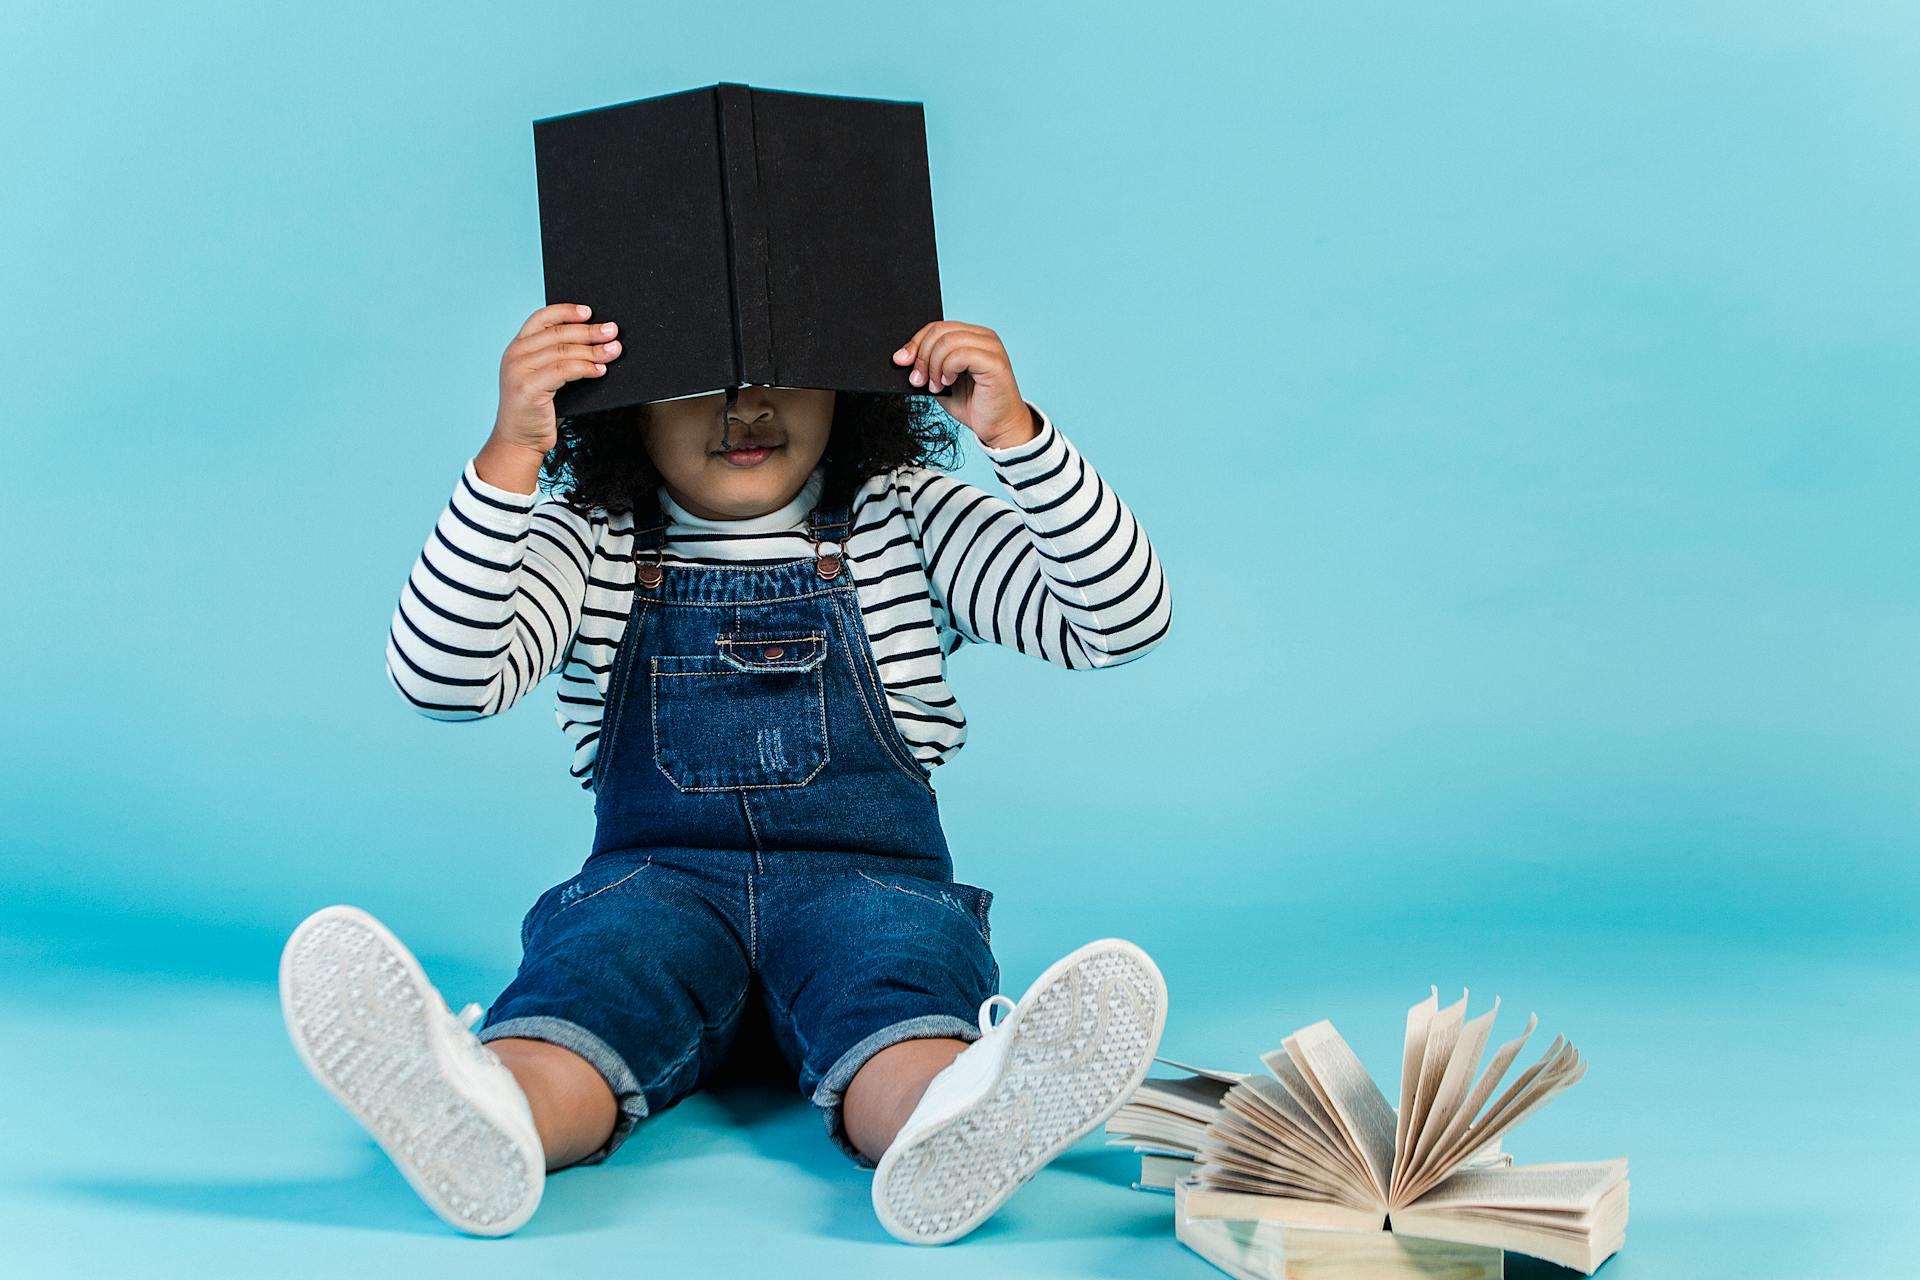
column 1264, row 1133
column 1457, row 1129
column 1159, row 1131
column 1575, row 1186
column 1557, row 1070
column 1305, row 1100
column 1209, row 1073
column 1197, row 1096
column 1280, row 1250
column 1312, row 1128
column 1234, row 1144
column 1366, row 1120
column 1170, row 1115
column 1317, row 1143
column 1572, row 1214
column 1462, row 1061
column 1160, row 1172
column 1443, row 1030
column 1419, row 1018
column 1205, row 1202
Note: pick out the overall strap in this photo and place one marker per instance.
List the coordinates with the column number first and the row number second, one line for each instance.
column 649, row 549
column 651, row 536
column 830, row 524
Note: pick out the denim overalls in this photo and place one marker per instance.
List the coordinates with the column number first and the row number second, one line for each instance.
column 760, row 828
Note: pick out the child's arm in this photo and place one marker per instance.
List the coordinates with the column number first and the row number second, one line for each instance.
column 492, row 602
column 496, row 595
column 1063, row 571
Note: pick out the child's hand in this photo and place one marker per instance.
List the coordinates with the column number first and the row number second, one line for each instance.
column 553, row 347
column 973, row 362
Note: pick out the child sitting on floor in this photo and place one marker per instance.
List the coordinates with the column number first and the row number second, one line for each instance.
column 750, row 607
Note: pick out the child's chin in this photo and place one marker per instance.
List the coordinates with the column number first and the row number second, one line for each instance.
column 761, row 482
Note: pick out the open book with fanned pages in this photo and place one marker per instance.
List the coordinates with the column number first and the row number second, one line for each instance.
column 1314, row 1143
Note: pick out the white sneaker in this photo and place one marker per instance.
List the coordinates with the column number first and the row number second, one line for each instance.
column 1061, row 1061
column 378, row 1035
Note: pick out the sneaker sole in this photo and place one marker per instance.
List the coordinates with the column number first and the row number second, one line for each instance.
column 357, row 1006
column 1082, row 1039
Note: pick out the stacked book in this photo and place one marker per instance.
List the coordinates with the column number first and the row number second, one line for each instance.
column 1166, row 1121
column 1307, row 1170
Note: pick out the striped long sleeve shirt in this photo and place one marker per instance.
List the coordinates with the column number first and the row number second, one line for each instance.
column 509, row 589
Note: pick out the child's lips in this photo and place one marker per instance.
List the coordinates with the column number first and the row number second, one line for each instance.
column 748, row 457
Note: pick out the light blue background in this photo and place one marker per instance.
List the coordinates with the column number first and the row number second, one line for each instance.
column 1521, row 398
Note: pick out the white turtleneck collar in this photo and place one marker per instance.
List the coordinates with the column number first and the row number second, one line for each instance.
column 792, row 516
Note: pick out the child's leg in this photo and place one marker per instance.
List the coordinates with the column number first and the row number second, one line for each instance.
column 632, row 971
column 573, row 1108
column 885, row 1091
column 883, row 984
column 636, row 968
column 380, row 1038
column 875, row 976
column 1064, row 1058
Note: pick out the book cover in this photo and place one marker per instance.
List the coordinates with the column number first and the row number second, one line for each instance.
column 740, row 235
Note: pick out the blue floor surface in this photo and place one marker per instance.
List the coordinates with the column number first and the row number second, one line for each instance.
column 158, row 1123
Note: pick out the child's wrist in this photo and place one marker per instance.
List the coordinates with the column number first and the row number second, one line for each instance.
column 509, row 466
column 1025, row 430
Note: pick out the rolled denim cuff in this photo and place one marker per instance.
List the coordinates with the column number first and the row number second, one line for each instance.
column 632, row 1102
column 830, row 1096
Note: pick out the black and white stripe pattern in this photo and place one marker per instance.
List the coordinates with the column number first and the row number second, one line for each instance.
column 509, row 588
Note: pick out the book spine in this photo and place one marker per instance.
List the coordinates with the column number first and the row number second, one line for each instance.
column 746, row 218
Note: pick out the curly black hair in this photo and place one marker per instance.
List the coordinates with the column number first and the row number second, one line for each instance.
column 600, row 460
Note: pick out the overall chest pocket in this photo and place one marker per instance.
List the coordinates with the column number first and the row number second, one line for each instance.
column 750, row 713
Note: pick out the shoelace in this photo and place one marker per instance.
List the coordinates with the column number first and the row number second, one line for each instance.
column 472, row 1043
column 987, row 1028
column 987, row 1023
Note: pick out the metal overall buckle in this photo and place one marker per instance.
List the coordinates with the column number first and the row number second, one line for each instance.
column 649, row 575
column 827, row 564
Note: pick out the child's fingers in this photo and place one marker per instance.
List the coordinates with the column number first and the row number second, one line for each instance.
column 549, row 375
column 542, row 338
column 571, row 351
column 911, row 347
column 911, row 351
column 978, row 359
column 576, row 338
column 554, row 313
column 543, row 364
column 952, row 354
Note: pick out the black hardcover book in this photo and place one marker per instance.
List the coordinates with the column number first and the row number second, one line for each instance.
column 738, row 236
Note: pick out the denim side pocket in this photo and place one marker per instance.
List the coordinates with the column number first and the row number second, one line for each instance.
column 600, row 874
column 968, row 901
column 982, row 901
column 537, row 912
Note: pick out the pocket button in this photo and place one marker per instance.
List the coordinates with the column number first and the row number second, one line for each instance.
column 774, row 652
